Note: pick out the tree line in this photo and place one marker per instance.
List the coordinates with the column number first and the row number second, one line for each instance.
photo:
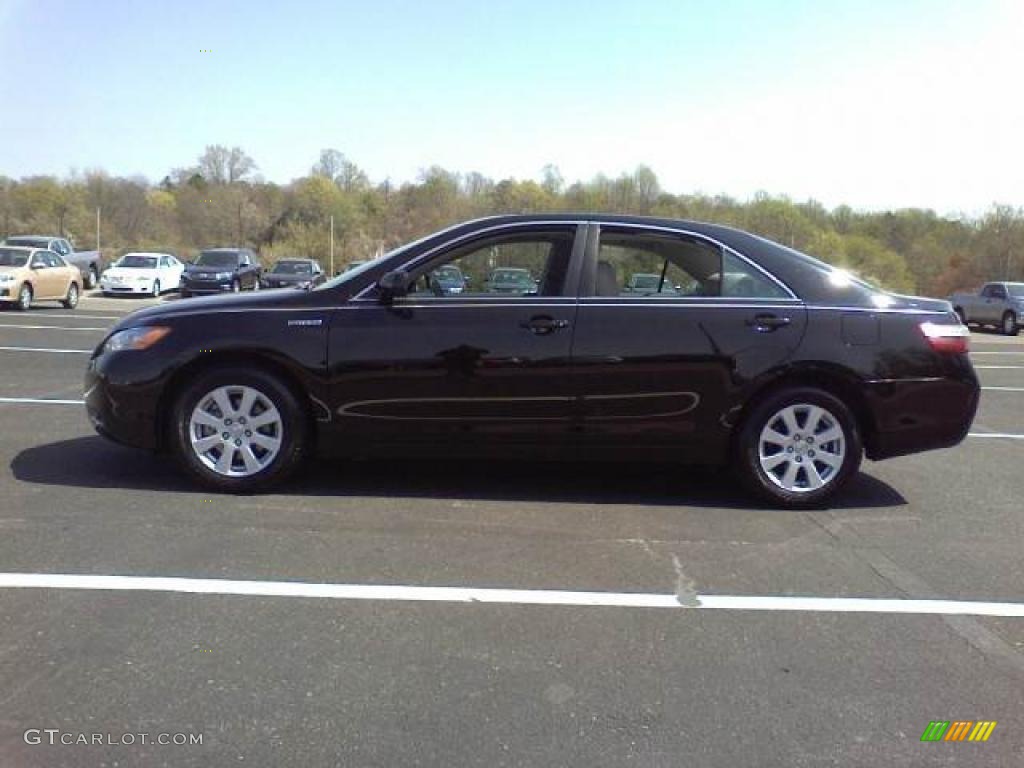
column 222, row 201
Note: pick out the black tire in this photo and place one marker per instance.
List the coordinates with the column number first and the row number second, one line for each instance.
column 294, row 437
column 747, row 447
column 235, row 286
column 91, row 278
column 960, row 314
column 184, row 293
column 24, row 297
column 71, row 300
column 156, row 289
column 1008, row 325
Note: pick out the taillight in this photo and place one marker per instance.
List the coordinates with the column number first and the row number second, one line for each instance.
column 946, row 338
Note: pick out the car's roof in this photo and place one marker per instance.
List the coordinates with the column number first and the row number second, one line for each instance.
column 223, row 250
column 21, row 248
column 34, row 237
column 146, row 253
column 296, row 261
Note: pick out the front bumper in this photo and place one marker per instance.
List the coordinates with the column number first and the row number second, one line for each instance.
column 206, row 286
column 126, row 288
column 119, row 409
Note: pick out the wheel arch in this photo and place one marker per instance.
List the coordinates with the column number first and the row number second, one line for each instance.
column 833, row 379
column 251, row 359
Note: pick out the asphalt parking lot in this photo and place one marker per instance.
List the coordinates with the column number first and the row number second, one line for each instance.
column 305, row 680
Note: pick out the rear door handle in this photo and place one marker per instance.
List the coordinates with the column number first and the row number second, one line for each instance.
column 767, row 323
column 541, row 325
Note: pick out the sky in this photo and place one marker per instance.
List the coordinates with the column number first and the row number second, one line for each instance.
column 872, row 103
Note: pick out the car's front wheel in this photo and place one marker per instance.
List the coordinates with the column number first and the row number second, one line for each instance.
column 1009, row 325
column 156, row 289
column 24, row 297
column 71, row 300
column 91, row 278
column 798, row 447
column 239, row 430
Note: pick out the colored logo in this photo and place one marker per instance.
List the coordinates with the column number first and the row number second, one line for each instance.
column 958, row 730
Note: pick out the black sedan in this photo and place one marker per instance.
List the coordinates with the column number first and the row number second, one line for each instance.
column 221, row 270
column 294, row 273
column 745, row 353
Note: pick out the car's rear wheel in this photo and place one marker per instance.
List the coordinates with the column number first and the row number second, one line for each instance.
column 71, row 300
column 156, row 289
column 239, row 430
column 235, row 286
column 24, row 297
column 1009, row 325
column 798, row 447
column 961, row 315
column 91, row 278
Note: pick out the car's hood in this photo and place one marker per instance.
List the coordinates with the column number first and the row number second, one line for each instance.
column 10, row 270
column 226, row 302
column 273, row 277
column 130, row 272
column 193, row 269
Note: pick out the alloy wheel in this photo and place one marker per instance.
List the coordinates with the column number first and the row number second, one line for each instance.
column 802, row 448
column 236, row 431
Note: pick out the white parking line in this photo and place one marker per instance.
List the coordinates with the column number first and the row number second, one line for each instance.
column 1004, row 435
column 39, row 401
column 45, row 349
column 1002, row 389
column 389, row 592
column 1018, row 354
column 55, row 327
column 71, row 316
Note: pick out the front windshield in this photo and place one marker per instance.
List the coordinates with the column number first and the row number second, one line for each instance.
column 12, row 258
column 134, row 261
column 510, row 276
column 293, row 268
column 217, row 259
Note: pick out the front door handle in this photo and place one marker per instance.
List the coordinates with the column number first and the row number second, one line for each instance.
column 542, row 325
column 765, row 323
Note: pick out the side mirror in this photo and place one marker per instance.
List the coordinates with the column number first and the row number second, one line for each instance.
column 393, row 285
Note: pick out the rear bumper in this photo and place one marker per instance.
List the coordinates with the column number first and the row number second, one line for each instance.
column 913, row 415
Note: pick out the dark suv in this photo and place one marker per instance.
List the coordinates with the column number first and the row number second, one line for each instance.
column 222, row 270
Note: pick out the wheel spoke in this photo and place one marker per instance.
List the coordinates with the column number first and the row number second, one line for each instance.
column 789, row 478
column 269, row 416
column 204, row 444
column 206, row 419
column 829, row 459
column 789, row 419
column 774, row 437
column 248, row 399
column 226, row 459
column 265, row 441
column 830, row 434
column 220, row 397
column 252, row 464
column 813, row 478
column 814, row 414
column 771, row 462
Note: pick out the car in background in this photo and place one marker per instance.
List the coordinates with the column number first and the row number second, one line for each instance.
column 28, row 275
column 790, row 385
column 354, row 265
column 294, row 273
column 222, row 270
column 648, row 285
column 448, row 280
column 1000, row 305
column 89, row 263
column 510, row 280
column 142, row 273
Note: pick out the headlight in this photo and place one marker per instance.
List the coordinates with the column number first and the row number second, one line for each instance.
column 143, row 337
column 6, row 278
column 222, row 276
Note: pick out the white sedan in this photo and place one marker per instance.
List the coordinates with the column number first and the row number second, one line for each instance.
column 145, row 273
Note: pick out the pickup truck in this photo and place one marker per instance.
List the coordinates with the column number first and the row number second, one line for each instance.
column 89, row 263
column 997, row 304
